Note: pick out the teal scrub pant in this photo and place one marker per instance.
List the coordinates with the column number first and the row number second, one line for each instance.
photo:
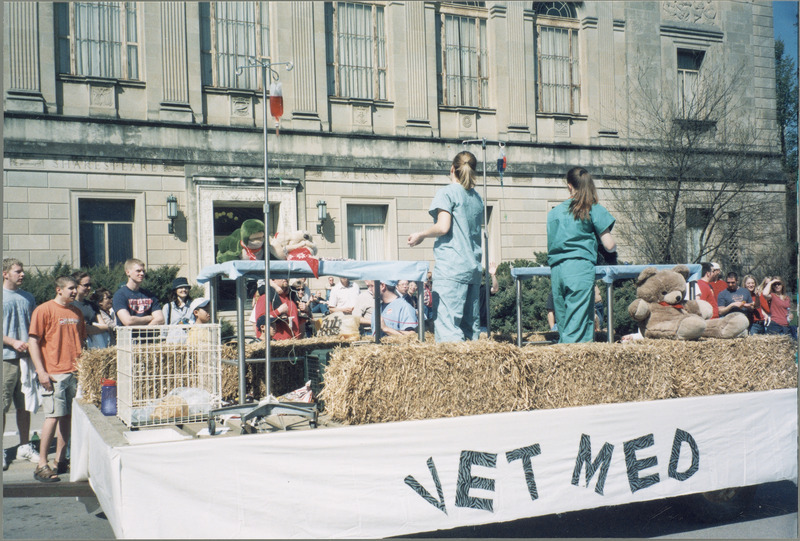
column 456, row 311
column 572, row 282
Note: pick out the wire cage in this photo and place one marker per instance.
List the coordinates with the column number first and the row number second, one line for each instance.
column 168, row 374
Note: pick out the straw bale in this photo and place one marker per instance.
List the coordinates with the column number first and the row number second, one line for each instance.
column 94, row 365
column 394, row 382
column 378, row 383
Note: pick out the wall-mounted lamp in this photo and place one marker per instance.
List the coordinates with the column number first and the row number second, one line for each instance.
column 322, row 214
column 172, row 212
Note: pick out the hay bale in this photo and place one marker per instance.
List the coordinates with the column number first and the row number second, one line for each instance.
column 369, row 384
column 95, row 365
column 379, row 383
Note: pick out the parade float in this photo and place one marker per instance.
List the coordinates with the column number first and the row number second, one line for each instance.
column 417, row 436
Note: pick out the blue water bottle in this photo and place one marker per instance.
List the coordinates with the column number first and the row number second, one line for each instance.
column 108, row 397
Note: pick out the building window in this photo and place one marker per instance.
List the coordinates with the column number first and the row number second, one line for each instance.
column 98, row 39
column 697, row 222
column 689, row 62
column 464, row 69
column 366, row 232
column 105, row 231
column 231, row 33
column 355, row 50
column 558, row 66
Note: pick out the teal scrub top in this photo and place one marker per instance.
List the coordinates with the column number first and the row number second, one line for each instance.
column 458, row 252
column 568, row 238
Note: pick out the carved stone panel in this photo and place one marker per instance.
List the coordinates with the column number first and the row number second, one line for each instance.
column 698, row 11
column 361, row 116
column 561, row 128
column 102, row 96
column 240, row 106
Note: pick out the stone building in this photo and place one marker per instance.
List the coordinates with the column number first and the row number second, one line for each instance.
column 113, row 107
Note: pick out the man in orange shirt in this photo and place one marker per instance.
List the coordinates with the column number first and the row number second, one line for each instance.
column 56, row 336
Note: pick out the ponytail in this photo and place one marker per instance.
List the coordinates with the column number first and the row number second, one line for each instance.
column 585, row 193
column 465, row 165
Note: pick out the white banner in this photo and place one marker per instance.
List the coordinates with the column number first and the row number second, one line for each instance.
column 398, row 478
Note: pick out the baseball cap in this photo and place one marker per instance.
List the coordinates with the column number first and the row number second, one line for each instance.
column 390, row 283
column 715, row 266
column 198, row 303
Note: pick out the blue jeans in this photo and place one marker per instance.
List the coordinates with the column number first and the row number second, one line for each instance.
column 757, row 328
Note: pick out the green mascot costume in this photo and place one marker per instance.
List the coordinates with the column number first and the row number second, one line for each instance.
column 246, row 243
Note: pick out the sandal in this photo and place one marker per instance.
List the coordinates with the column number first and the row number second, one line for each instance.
column 62, row 467
column 45, row 474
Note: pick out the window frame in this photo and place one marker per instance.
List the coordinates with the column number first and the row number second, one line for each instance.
column 697, row 220
column 680, row 84
column 125, row 44
column 139, row 229
column 390, row 247
column 573, row 27
column 333, row 61
column 480, row 15
column 213, row 53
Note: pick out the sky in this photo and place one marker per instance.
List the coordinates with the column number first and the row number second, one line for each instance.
column 784, row 16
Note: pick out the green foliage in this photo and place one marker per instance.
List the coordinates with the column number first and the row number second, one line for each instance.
column 41, row 282
column 158, row 281
column 226, row 330
column 624, row 294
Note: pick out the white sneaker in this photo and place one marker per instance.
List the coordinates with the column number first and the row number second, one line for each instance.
column 28, row 452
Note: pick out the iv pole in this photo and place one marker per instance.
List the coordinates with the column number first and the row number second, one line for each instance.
column 486, row 276
column 266, row 68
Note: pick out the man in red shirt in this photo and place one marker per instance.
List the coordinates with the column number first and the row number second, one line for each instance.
column 706, row 293
column 716, row 283
column 55, row 339
column 282, row 307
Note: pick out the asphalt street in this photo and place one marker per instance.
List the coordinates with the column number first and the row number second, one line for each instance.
column 64, row 510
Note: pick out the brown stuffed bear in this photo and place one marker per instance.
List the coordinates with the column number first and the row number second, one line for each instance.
column 662, row 311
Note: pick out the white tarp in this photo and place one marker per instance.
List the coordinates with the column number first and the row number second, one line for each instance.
column 397, row 478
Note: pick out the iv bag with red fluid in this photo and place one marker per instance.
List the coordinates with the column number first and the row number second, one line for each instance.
column 276, row 104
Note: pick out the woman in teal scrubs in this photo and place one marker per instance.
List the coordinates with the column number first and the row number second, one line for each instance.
column 457, row 210
column 573, row 228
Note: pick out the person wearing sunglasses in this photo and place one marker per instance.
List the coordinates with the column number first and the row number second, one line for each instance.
column 91, row 314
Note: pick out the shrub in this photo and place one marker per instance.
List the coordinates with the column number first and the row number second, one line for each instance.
column 41, row 282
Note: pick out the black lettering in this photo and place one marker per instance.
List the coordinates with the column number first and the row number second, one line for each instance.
column 680, row 437
column 603, row 461
column 634, row 466
column 419, row 489
column 524, row 454
column 467, row 481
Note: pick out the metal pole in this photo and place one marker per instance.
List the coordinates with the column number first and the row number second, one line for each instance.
column 267, row 299
column 240, row 294
column 610, row 301
column 420, row 311
column 518, row 284
column 486, row 278
column 377, row 331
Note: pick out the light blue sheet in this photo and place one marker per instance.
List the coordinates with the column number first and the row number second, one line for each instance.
column 354, row 270
column 607, row 273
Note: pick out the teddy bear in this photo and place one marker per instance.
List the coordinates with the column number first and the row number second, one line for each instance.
column 238, row 245
column 662, row 310
column 296, row 246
